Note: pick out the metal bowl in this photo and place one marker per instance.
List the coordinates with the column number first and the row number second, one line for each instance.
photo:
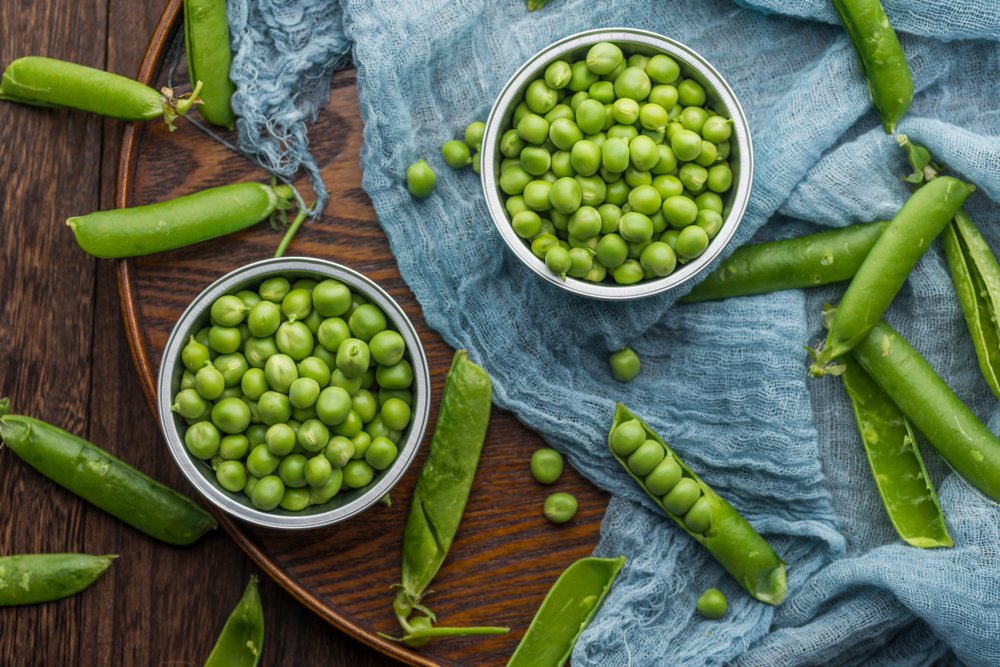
column 693, row 66
column 348, row 502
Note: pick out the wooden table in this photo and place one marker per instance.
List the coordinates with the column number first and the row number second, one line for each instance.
column 64, row 359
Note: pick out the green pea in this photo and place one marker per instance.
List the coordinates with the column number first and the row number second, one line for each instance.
column 581, row 261
column 635, row 177
column 646, row 458
column 234, row 447
column 644, row 200
column 316, row 369
column 326, row 356
column 664, row 96
column 717, row 129
column 365, row 405
column 610, row 215
column 699, row 518
column 563, row 132
column 395, row 414
column 231, row 475
column 381, row 453
column 540, row 244
column 690, row 93
column 626, row 132
column 539, row 97
column 187, row 379
column 333, row 405
column 612, row 250
column 303, row 392
column 249, row 298
column 232, row 366
column 358, row 474
column 664, row 476
column 559, row 222
column 514, row 180
column 292, row 471
column 633, row 83
column 615, row 154
column 308, row 284
column 565, row 195
column 590, row 116
column 670, row 238
column 625, row 111
column 363, row 440
column 209, row 382
column 659, row 223
column 387, row 347
column 261, row 461
column 258, row 350
column 635, row 227
column 546, row 465
column 658, row 258
column 189, row 404
column 280, row 372
column 560, row 507
column 420, row 179
column 366, row 321
column 256, row 434
column 231, row 415
column 535, row 160
column 720, row 178
column 317, row 471
column 597, row 273
column 350, row 427
column 693, row 118
column 693, row 177
column 603, row 58
column 515, row 204
column 585, row 157
column 202, row 439
column 322, row 494
column 723, row 150
column 295, row 500
column 511, row 144
column 624, row 365
column 274, row 407
column 712, row 604
column 617, row 191
column 228, row 311
column 693, row 241
column 456, row 154
column 280, row 439
column 680, row 211
column 558, row 261
column 680, row 498
column 397, row 376
column 274, row 289
column 332, row 332
column 224, row 340
column 710, row 221
column 562, row 164
column 339, row 450
column 593, row 190
column 526, row 224
column 474, row 133
column 686, row 145
column 708, row 155
column 666, row 162
column 534, row 129
column 267, row 493
column 603, row 92
column 297, row 304
column 628, row 272
column 331, row 298
column 709, row 201
column 294, row 339
column 585, row 223
column 662, row 68
column 643, row 153
column 537, row 195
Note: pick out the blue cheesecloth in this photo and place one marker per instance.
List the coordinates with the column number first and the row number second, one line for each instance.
column 723, row 382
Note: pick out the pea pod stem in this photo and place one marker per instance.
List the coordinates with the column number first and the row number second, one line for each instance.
column 35, row 578
column 890, row 82
column 292, row 230
column 103, row 480
column 48, row 82
column 971, row 449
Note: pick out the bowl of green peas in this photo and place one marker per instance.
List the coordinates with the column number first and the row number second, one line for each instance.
column 616, row 163
column 293, row 393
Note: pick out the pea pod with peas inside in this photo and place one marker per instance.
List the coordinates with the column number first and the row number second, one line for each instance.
column 47, row 82
column 565, row 612
column 242, row 638
column 440, row 496
column 971, row 448
column 35, row 578
column 206, row 42
column 696, row 508
column 103, row 480
column 175, row 223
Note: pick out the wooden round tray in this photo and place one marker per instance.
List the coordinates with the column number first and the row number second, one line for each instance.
column 506, row 554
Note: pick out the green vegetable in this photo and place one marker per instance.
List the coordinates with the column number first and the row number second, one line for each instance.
column 889, row 80
column 897, row 468
column 206, row 40
column 565, row 612
column 881, row 275
column 726, row 536
column 189, row 219
column 474, row 134
column 546, row 465
column 242, row 638
column 103, row 480
column 456, row 154
column 560, row 507
column 46, row 82
column 35, row 578
column 441, row 493
column 624, row 364
column 420, row 179
column 932, row 407
column 804, row 261
column 712, row 604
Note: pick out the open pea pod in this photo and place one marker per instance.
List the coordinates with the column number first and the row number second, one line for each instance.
column 565, row 612
column 896, row 465
column 975, row 273
column 242, row 638
column 696, row 508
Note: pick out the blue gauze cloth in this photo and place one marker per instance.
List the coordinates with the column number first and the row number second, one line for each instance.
column 725, row 382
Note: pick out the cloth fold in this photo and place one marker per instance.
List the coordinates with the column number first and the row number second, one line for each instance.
column 724, row 383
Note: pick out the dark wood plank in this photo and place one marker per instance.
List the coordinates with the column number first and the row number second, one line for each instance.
column 506, row 555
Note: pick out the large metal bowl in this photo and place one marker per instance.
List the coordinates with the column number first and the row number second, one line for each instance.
column 347, row 503
column 693, row 66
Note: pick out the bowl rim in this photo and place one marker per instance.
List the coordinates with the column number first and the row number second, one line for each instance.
column 489, row 157
column 227, row 284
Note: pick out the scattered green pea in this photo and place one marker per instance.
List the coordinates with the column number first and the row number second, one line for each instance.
column 624, row 364
column 560, row 507
column 420, row 179
column 712, row 604
column 546, row 465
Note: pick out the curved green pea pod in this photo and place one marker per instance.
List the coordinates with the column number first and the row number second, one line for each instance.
column 242, row 638
column 34, row 578
column 104, row 481
column 896, row 465
column 889, row 80
column 189, row 219
column 804, row 261
column 969, row 446
column 206, row 41
column 47, row 82
column 730, row 539
column 565, row 612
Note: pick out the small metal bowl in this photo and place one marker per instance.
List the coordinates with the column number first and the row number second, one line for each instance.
column 693, row 66
column 348, row 502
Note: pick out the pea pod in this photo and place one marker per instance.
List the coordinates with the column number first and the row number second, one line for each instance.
column 932, row 407
column 692, row 503
column 189, row 219
column 890, row 261
column 565, row 612
column 897, row 468
column 242, row 638
column 889, row 80
column 34, row 578
column 47, row 82
column 206, row 40
column 103, row 480
column 441, row 493
column 805, row 261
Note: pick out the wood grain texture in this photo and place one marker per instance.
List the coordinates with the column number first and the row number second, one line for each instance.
column 506, row 554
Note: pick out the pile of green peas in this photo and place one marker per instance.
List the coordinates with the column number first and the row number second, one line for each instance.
column 294, row 391
column 615, row 167
column 662, row 475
